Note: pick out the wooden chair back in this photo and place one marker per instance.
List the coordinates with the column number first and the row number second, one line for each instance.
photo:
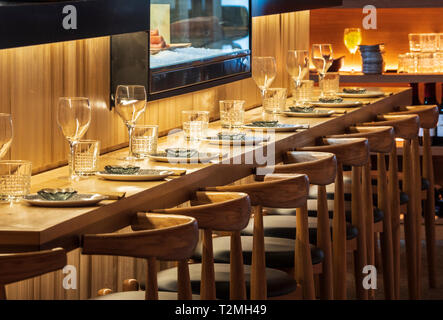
column 428, row 114
column 21, row 266
column 164, row 237
column 219, row 211
column 405, row 126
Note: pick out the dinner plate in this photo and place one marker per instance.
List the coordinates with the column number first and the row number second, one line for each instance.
column 367, row 94
column 314, row 114
column 141, row 175
column 283, row 127
column 342, row 104
column 202, row 157
column 248, row 141
column 77, row 200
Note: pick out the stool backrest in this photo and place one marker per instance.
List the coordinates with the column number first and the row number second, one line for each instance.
column 380, row 139
column 428, row 114
column 348, row 151
column 405, row 126
column 21, row 266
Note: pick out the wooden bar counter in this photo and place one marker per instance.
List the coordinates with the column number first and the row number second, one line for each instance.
column 27, row 228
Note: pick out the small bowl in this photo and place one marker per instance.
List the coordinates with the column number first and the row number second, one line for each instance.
column 56, row 194
column 121, row 170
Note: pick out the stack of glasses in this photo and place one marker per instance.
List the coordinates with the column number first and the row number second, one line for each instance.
column 425, row 56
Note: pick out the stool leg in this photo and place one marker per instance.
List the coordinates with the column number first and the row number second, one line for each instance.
column 339, row 237
column 410, row 221
column 207, row 285
column 324, row 243
column 237, row 287
column 418, row 210
column 394, row 198
column 368, row 205
column 151, row 292
column 258, row 265
column 2, row 292
column 386, row 235
column 358, row 219
column 183, row 281
column 428, row 173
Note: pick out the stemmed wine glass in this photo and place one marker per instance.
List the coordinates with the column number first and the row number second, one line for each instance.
column 352, row 39
column 264, row 71
column 73, row 118
column 6, row 133
column 322, row 59
column 130, row 104
column 297, row 65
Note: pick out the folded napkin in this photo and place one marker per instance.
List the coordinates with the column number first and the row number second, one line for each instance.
column 114, row 195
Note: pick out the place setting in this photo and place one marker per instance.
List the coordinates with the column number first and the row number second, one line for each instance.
column 63, row 198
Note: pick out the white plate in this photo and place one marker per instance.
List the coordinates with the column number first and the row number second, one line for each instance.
column 77, row 200
column 249, row 141
column 342, row 104
column 314, row 114
column 367, row 94
column 141, row 175
column 286, row 128
column 202, row 157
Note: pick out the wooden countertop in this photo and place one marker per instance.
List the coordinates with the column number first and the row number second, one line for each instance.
column 26, row 228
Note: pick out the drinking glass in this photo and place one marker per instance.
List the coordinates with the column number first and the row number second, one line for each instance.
column 297, row 65
column 440, row 42
column 322, row 58
column 428, row 42
column 232, row 114
column 401, row 63
column 439, row 61
column 426, row 62
column 264, row 71
column 330, row 84
column 15, row 179
column 130, row 104
column 73, row 118
column 6, row 133
column 195, row 124
column 86, row 157
column 352, row 39
column 414, row 42
column 144, row 140
column 274, row 100
column 411, row 62
column 303, row 94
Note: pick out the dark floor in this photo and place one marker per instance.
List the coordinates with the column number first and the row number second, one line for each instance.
column 427, row 293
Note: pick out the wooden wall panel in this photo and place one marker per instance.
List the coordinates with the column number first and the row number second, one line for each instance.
column 393, row 26
column 32, row 80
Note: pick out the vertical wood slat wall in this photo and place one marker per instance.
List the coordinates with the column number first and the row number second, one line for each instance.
column 33, row 78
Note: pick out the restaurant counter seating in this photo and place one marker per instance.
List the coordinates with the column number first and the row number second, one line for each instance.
column 21, row 266
column 165, row 237
column 320, row 167
column 405, row 127
column 288, row 191
column 428, row 118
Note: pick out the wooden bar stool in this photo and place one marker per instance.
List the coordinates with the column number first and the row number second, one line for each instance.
column 165, row 237
column 405, row 127
column 428, row 118
column 381, row 141
column 352, row 152
column 287, row 191
column 21, row 266
column 321, row 169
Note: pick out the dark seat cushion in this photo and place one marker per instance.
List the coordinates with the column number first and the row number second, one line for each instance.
column 140, row 295
column 286, row 226
column 279, row 251
column 278, row 282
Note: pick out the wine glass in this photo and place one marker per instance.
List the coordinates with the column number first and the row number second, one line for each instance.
column 264, row 71
column 6, row 133
column 73, row 118
column 322, row 58
column 352, row 38
column 297, row 65
column 130, row 104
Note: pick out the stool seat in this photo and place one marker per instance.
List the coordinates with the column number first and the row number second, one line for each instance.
column 140, row 295
column 279, row 252
column 285, row 227
column 278, row 282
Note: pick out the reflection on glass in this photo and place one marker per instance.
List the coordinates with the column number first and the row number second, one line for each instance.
column 188, row 31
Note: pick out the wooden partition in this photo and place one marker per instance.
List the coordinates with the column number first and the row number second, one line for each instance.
column 32, row 80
